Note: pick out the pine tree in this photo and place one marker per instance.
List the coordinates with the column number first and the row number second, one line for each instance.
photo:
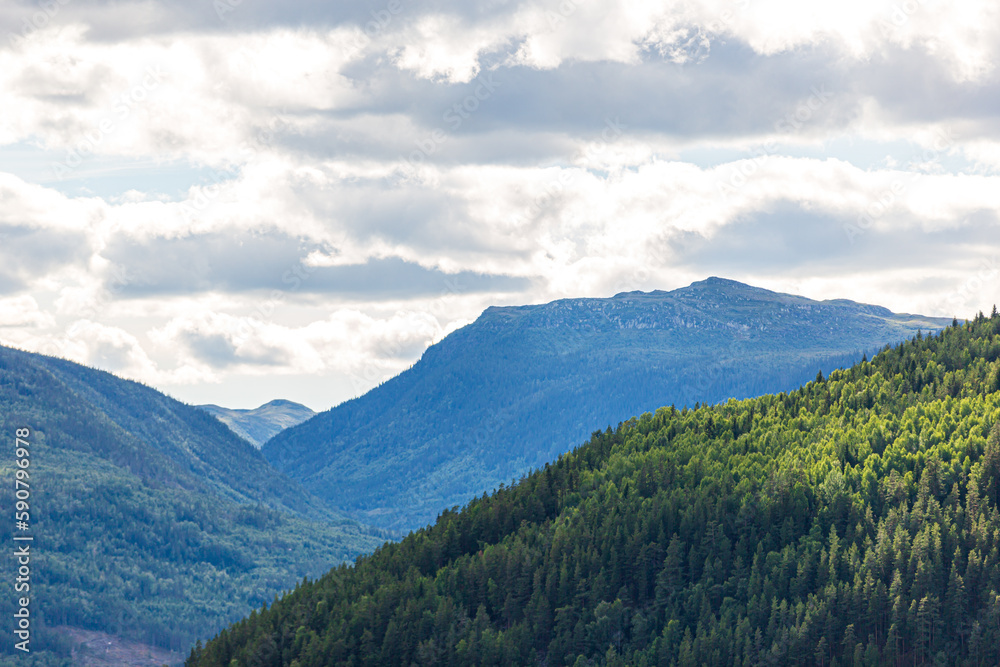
column 822, row 651
column 927, row 621
column 850, row 640
column 955, row 601
column 685, row 656
column 989, row 472
column 891, row 652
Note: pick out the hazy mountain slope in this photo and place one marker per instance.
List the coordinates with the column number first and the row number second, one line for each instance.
column 152, row 519
column 158, row 437
column 258, row 425
column 854, row 521
column 521, row 385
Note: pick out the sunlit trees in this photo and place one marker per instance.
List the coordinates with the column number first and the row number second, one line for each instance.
column 854, row 521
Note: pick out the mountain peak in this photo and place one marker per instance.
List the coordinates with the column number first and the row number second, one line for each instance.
column 262, row 423
column 717, row 284
column 712, row 283
column 556, row 370
column 284, row 403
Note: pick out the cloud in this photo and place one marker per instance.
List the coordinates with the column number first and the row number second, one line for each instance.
column 368, row 349
column 220, row 95
column 100, row 346
column 204, row 191
column 42, row 234
column 23, row 311
column 247, row 260
column 222, row 341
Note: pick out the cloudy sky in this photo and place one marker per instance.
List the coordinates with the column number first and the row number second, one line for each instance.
column 240, row 200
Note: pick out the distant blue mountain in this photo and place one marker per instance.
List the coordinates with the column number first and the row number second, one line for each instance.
column 258, row 425
column 521, row 385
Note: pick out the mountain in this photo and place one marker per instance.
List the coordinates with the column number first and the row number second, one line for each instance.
column 855, row 520
column 152, row 520
column 257, row 426
column 522, row 385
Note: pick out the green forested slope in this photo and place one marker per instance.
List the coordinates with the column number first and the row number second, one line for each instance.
column 852, row 522
column 152, row 520
column 522, row 385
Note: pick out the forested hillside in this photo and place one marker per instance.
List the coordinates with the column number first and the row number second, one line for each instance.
column 152, row 520
column 854, row 521
column 522, row 385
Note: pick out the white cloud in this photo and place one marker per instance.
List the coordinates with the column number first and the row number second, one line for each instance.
column 368, row 349
column 23, row 312
column 295, row 134
column 211, row 98
column 445, row 47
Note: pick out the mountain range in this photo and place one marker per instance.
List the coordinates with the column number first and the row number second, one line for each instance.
column 258, row 425
column 852, row 521
column 159, row 524
column 522, row 385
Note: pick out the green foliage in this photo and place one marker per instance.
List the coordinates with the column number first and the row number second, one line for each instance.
column 852, row 521
column 521, row 386
column 152, row 520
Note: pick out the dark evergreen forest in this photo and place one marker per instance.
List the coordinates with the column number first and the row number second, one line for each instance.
column 854, row 521
column 152, row 520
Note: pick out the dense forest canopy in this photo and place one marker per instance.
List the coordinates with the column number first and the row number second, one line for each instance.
column 854, row 521
column 152, row 520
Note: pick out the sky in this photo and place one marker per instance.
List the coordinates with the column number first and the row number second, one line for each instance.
column 236, row 200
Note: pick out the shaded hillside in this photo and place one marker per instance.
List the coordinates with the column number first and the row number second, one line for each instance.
column 855, row 521
column 153, row 521
column 258, row 425
column 521, row 385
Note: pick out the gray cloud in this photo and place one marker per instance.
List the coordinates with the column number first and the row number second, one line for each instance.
column 112, row 21
column 26, row 253
column 240, row 262
column 219, row 352
column 792, row 240
column 734, row 93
